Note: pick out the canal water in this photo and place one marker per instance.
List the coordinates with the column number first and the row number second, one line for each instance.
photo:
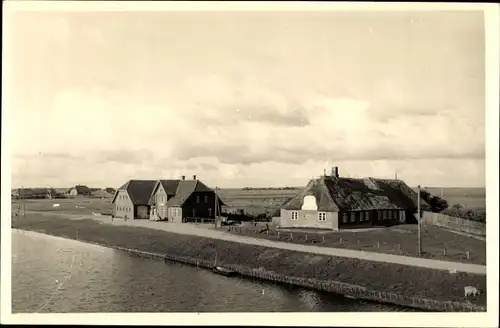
column 56, row 275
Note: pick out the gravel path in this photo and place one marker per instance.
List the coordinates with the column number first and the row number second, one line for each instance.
column 190, row 229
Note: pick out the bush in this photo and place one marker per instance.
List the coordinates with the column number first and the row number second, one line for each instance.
column 467, row 214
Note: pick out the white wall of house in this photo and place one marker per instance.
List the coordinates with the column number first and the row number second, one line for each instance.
column 73, row 192
column 309, row 219
column 160, row 199
column 123, row 205
column 175, row 214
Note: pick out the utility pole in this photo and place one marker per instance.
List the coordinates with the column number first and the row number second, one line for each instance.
column 215, row 208
column 418, row 221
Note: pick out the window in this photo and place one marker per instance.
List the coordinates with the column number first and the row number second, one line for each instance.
column 322, row 216
column 197, row 199
column 353, row 217
column 344, row 218
column 206, row 199
column 295, row 216
column 367, row 216
column 209, row 212
column 384, row 215
column 194, row 212
column 361, row 217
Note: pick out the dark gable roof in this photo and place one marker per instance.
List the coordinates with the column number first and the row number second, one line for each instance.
column 138, row 190
column 141, row 191
column 170, row 186
column 185, row 189
column 348, row 194
column 82, row 189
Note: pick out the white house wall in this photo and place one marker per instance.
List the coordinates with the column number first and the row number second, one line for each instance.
column 123, row 205
column 309, row 219
column 160, row 199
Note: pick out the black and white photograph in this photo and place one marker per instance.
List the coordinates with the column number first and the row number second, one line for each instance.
column 273, row 160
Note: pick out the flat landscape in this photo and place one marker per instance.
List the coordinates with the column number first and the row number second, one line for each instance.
column 437, row 243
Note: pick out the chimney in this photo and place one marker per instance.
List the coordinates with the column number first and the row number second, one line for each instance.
column 335, row 171
column 194, row 177
column 183, row 177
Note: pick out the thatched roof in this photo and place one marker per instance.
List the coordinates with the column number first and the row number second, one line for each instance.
column 335, row 194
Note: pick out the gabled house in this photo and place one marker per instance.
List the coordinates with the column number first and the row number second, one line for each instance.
column 110, row 190
column 132, row 199
column 333, row 202
column 80, row 190
column 180, row 200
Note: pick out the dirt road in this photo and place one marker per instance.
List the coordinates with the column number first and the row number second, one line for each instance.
column 190, row 229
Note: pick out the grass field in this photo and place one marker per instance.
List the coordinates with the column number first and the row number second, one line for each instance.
column 437, row 243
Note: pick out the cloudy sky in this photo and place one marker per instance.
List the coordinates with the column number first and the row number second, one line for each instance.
column 248, row 98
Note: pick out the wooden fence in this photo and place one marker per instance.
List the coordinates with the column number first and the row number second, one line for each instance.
column 453, row 223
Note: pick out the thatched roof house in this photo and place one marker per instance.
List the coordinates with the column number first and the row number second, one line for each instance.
column 350, row 202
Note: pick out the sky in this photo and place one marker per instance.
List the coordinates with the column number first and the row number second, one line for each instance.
column 241, row 99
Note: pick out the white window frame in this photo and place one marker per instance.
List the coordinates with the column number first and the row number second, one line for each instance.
column 352, row 217
column 295, row 216
column 198, row 199
column 361, row 216
column 345, row 218
column 321, row 216
column 206, row 198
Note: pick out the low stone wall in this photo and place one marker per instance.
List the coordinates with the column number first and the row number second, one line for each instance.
column 348, row 290
column 453, row 223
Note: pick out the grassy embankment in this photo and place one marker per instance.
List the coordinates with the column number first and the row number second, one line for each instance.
column 406, row 280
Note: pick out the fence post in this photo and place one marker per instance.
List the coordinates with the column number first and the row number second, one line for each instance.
column 291, row 236
column 278, row 235
column 323, row 241
column 378, row 244
column 358, row 242
column 468, row 255
column 306, row 236
column 341, row 240
column 444, row 251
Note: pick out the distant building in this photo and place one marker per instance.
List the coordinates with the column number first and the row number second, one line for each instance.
column 80, row 190
column 110, row 190
column 35, row 193
column 132, row 199
column 181, row 200
column 334, row 202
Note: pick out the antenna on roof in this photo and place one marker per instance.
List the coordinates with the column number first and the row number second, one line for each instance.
column 396, row 174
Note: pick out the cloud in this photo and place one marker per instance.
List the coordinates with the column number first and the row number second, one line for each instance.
column 143, row 103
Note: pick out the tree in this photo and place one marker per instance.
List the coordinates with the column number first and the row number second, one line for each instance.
column 436, row 203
